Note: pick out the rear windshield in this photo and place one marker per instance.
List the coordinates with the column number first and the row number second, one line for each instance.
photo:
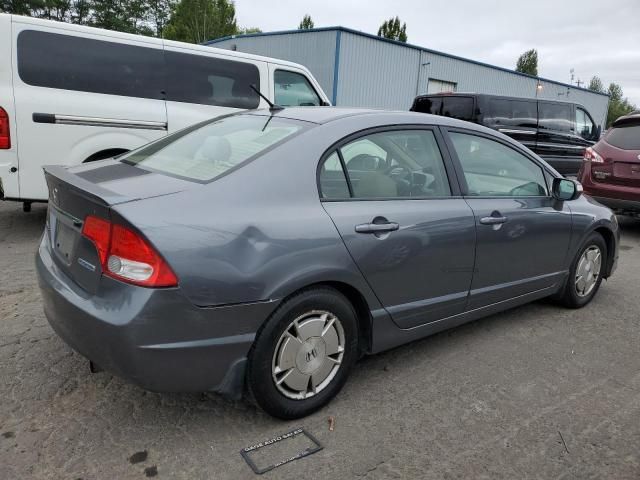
column 626, row 138
column 205, row 152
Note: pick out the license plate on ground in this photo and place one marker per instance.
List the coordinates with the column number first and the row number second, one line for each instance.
column 64, row 241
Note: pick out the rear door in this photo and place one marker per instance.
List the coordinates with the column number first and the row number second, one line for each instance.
column 203, row 83
column 403, row 221
column 522, row 232
column 78, row 93
column 9, row 150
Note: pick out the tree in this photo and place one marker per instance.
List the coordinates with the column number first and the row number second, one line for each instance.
column 306, row 23
column 596, row 85
column 247, row 30
column 16, row 7
column 159, row 13
column 392, row 30
column 619, row 105
column 196, row 21
column 528, row 63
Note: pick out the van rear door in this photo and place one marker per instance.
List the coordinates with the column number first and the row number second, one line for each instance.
column 9, row 185
column 79, row 92
column 205, row 82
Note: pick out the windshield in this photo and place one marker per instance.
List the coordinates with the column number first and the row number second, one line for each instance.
column 203, row 153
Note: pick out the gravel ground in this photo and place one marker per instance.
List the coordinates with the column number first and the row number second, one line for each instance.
column 536, row 392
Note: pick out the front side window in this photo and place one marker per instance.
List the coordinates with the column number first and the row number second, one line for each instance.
column 394, row 164
column 86, row 65
column 294, row 90
column 214, row 81
column 205, row 152
column 493, row 169
column 555, row 116
column 584, row 125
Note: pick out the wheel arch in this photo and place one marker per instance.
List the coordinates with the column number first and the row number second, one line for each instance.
column 610, row 241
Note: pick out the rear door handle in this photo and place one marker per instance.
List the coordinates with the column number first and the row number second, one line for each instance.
column 493, row 220
column 377, row 227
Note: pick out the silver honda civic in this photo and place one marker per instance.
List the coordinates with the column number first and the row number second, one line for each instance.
column 265, row 252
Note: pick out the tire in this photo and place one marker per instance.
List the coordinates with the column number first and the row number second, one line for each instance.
column 571, row 295
column 278, row 363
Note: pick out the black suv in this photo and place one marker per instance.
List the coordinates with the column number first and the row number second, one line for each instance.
column 557, row 131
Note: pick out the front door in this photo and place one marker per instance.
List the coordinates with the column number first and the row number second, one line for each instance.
column 522, row 232
column 404, row 224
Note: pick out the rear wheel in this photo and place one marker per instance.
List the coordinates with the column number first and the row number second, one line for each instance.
column 586, row 272
column 304, row 353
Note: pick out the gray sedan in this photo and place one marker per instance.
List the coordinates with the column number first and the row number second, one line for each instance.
column 266, row 251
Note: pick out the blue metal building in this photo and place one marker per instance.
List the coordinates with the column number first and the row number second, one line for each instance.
column 363, row 70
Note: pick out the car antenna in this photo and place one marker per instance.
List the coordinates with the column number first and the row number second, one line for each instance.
column 272, row 106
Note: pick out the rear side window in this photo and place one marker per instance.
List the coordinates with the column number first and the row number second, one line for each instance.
column 432, row 105
column 516, row 113
column 555, row 116
column 458, row 107
column 211, row 81
column 205, row 152
column 87, row 65
column 294, row 90
column 626, row 138
column 393, row 164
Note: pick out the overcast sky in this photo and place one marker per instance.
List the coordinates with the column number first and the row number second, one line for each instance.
column 594, row 37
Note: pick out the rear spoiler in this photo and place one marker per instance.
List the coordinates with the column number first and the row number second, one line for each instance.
column 627, row 120
column 56, row 174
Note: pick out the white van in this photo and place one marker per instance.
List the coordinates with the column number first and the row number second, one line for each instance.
column 71, row 94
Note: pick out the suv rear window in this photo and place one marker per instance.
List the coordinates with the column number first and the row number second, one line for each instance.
column 626, row 138
column 206, row 151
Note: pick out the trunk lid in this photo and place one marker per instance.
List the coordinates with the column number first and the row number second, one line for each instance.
column 93, row 189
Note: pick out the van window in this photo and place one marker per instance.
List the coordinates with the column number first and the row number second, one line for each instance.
column 294, row 90
column 458, row 107
column 584, row 125
column 87, row 65
column 431, row 105
column 211, row 81
column 516, row 113
column 555, row 116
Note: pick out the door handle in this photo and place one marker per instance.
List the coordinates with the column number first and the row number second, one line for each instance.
column 493, row 220
column 377, row 227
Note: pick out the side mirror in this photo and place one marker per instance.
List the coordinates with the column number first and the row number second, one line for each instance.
column 597, row 131
column 565, row 189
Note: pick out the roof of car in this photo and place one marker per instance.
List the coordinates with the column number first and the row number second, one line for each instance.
column 316, row 114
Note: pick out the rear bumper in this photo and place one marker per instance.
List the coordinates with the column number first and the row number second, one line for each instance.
column 154, row 338
column 618, row 198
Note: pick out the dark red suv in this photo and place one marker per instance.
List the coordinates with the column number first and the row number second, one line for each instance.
column 610, row 172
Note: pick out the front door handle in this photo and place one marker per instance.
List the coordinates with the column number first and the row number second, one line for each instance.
column 377, row 227
column 493, row 220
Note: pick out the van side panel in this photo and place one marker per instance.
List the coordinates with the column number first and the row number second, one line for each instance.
column 9, row 182
column 71, row 125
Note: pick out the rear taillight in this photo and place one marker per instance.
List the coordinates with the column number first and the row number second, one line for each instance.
column 5, row 134
column 590, row 155
column 126, row 256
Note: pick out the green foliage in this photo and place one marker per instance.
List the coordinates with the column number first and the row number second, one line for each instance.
column 306, row 23
column 392, row 30
column 596, row 84
column 245, row 30
column 528, row 63
column 196, row 21
column 619, row 105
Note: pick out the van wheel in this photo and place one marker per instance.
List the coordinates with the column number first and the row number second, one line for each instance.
column 585, row 275
column 303, row 354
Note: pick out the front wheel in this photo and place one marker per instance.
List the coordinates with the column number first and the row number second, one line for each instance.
column 585, row 275
column 303, row 355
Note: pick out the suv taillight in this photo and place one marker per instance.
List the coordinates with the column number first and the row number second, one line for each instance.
column 590, row 155
column 126, row 256
column 5, row 134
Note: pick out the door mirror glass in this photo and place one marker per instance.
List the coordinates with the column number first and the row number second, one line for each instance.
column 565, row 189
